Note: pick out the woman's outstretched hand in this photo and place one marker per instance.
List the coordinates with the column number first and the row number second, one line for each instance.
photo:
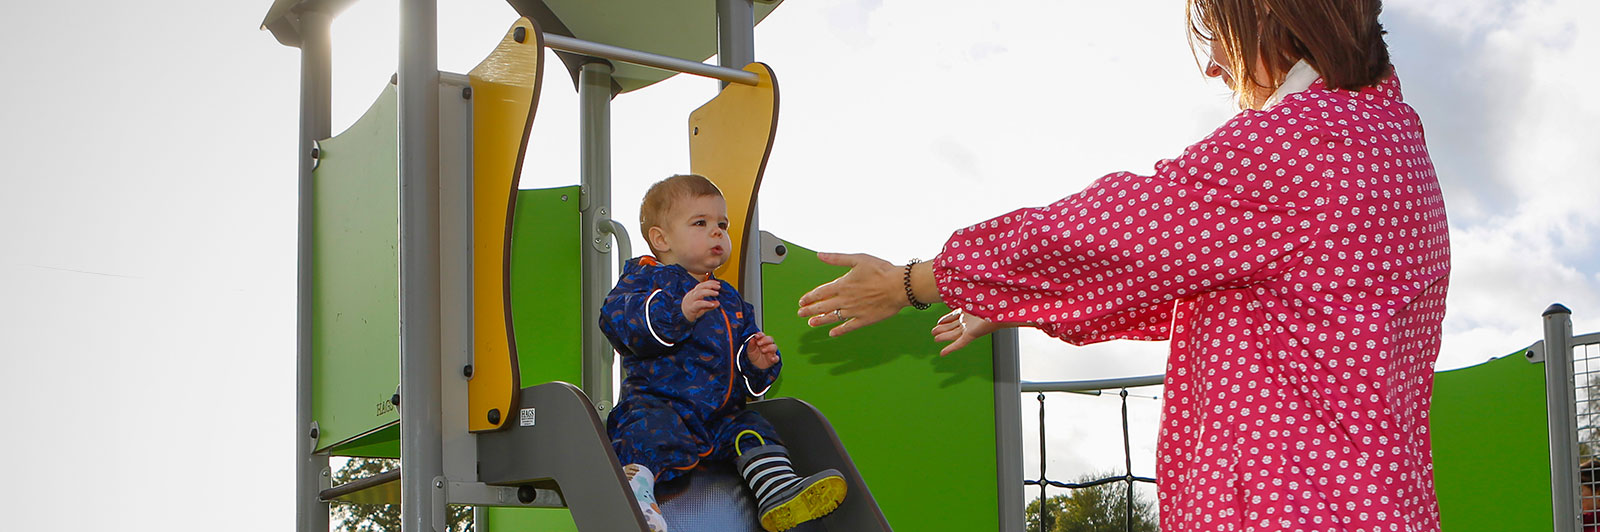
column 872, row 290
column 960, row 329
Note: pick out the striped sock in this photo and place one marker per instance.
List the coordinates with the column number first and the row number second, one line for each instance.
column 767, row 471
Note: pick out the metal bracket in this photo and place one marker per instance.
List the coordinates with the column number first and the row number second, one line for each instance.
column 480, row 494
column 1534, row 354
column 773, row 249
column 600, row 241
column 441, row 506
column 610, row 229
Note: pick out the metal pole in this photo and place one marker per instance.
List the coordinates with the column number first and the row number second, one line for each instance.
column 1008, row 430
column 1127, row 457
column 1044, row 482
column 594, row 129
column 1560, row 398
column 316, row 96
column 736, row 47
column 421, row 444
column 664, row 62
column 1092, row 385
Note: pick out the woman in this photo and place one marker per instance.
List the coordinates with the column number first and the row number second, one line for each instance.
column 1297, row 259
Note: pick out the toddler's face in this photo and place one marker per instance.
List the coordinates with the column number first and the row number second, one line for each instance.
column 697, row 234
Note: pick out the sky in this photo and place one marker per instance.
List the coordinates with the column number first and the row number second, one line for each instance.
column 147, row 260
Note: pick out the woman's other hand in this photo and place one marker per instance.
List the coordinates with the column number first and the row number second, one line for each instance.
column 960, row 329
column 872, row 290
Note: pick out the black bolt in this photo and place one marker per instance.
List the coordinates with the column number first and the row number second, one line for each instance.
column 466, row 371
column 521, row 34
column 526, row 494
column 315, row 433
column 466, row 93
column 782, row 250
column 316, row 153
column 696, row 130
column 395, row 399
column 494, row 415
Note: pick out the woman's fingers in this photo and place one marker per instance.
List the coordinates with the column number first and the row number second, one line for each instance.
column 947, row 334
column 808, row 302
column 840, row 259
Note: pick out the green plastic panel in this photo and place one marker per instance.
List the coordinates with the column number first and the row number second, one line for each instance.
column 355, row 273
column 545, row 314
column 905, row 414
column 545, row 299
column 1491, row 453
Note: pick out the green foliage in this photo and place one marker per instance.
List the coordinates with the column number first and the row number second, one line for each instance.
column 1100, row 508
column 351, row 517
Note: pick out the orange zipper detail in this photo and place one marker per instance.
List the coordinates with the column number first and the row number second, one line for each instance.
column 733, row 365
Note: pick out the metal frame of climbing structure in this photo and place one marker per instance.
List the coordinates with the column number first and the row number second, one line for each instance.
column 434, row 167
column 1506, row 432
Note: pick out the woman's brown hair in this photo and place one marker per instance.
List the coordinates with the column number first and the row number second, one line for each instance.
column 1342, row 39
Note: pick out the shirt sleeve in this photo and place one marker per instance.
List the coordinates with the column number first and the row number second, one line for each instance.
column 1109, row 262
column 644, row 321
column 756, row 380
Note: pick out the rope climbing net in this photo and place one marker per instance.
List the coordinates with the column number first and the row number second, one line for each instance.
column 1127, row 478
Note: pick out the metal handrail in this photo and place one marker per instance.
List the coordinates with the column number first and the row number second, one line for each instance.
column 663, row 62
column 1093, row 385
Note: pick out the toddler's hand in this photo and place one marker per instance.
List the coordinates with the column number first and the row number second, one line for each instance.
column 701, row 299
column 762, row 351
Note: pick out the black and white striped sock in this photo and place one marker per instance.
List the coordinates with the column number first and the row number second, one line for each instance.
column 767, row 471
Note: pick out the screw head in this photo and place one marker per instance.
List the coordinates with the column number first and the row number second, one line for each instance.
column 520, row 34
column 494, row 415
column 466, row 93
column 466, row 371
column 526, row 494
column 395, row 399
column 782, row 250
column 438, row 483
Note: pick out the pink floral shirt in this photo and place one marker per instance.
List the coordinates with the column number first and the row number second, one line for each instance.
column 1297, row 259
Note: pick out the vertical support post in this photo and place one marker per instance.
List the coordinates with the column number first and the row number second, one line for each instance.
column 736, row 47
column 1008, row 429
column 421, row 444
column 1560, row 399
column 594, row 129
column 1044, row 481
column 316, row 96
column 1127, row 463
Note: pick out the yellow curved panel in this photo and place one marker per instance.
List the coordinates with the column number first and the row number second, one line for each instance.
column 505, row 91
column 730, row 138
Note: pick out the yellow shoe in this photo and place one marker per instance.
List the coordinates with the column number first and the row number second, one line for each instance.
column 812, row 497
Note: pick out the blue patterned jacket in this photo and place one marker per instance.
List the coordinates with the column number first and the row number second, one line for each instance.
column 700, row 365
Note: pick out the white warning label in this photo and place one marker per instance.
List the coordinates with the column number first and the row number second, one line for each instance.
column 527, row 417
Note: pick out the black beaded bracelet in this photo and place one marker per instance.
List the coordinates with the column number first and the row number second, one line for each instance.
column 909, row 295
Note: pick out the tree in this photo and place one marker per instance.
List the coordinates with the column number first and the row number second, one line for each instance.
column 1100, row 508
column 354, row 517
